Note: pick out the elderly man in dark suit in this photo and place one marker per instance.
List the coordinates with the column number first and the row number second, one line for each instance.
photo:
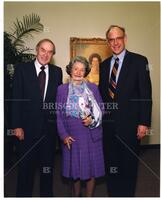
column 33, row 118
column 125, row 87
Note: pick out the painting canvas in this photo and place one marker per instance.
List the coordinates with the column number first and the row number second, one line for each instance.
column 87, row 46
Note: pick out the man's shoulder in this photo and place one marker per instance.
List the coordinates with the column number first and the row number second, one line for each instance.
column 107, row 60
column 24, row 65
column 136, row 55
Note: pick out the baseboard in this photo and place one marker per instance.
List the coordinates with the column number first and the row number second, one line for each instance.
column 150, row 146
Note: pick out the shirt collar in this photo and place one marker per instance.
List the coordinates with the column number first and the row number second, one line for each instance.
column 120, row 56
column 38, row 65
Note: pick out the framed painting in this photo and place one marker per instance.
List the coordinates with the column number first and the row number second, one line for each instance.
column 87, row 46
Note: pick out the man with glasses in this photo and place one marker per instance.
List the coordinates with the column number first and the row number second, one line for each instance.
column 124, row 83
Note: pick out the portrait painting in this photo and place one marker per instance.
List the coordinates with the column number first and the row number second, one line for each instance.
column 95, row 50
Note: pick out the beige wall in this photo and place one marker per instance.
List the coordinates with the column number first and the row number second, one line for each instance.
column 63, row 20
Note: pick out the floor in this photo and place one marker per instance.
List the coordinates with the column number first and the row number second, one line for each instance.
column 148, row 182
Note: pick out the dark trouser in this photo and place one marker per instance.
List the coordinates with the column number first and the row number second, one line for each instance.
column 121, row 187
column 39, row 152
column 121, row 160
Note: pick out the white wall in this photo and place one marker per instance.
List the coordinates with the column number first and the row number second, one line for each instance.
column 63, row 20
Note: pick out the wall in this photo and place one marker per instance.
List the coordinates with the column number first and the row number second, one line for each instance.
column 63, row 20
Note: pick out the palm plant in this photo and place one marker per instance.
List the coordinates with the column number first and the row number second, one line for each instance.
column 14, row 43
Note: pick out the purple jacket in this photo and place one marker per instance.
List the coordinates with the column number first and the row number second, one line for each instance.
column 63, row 129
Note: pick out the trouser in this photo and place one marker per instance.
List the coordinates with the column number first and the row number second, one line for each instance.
column 36, row 153
column 121, row 161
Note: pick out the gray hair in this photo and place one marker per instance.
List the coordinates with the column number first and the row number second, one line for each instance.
column 115, row 26
column 80, row 59
column 46, row 40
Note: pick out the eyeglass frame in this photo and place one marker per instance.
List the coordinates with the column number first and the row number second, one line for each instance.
column 112, row 40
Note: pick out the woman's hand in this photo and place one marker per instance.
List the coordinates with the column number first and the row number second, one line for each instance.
column 87, row 121
column 68, row 141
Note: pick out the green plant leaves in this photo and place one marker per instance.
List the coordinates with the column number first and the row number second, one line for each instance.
column 25, row 28
column 15, row 50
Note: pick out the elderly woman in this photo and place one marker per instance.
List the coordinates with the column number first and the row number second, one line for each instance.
column 79, row 119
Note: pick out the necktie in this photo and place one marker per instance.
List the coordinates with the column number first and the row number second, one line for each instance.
column 42, row 78
column 112, row 83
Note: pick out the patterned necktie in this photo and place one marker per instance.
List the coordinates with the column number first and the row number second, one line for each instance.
column 112, row 83
column 42, row 78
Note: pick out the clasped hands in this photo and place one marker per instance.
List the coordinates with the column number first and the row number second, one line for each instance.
column 87, row 120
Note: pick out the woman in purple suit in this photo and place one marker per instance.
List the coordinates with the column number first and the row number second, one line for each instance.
column 79, row 118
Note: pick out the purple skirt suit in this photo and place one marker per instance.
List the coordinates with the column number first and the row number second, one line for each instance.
column 85, row 158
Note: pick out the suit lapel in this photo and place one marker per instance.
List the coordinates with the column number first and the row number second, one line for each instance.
column 33, row 79
column 52, row 83
column 124, row 72
column 108, row 71
column 33, row 72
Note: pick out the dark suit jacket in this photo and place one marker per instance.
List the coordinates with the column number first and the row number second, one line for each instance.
column 28, row 110
column 133, row 95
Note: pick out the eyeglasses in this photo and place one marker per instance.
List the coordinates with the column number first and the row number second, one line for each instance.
column 117, row 39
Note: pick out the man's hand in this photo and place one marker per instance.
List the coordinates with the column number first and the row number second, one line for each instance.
column 141, row 131
column 68, row 141
column 19, row 133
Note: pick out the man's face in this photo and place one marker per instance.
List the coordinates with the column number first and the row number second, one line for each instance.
column 45, row 52
column 116, row 40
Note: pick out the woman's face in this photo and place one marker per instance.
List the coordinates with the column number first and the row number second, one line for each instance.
column 78, row 71
column 95, row 61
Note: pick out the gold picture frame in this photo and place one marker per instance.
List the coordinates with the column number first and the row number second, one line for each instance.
column 86, row 46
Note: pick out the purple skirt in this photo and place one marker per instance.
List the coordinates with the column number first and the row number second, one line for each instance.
column 85, row 158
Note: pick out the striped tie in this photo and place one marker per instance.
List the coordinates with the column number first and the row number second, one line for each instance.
column 112, row 83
